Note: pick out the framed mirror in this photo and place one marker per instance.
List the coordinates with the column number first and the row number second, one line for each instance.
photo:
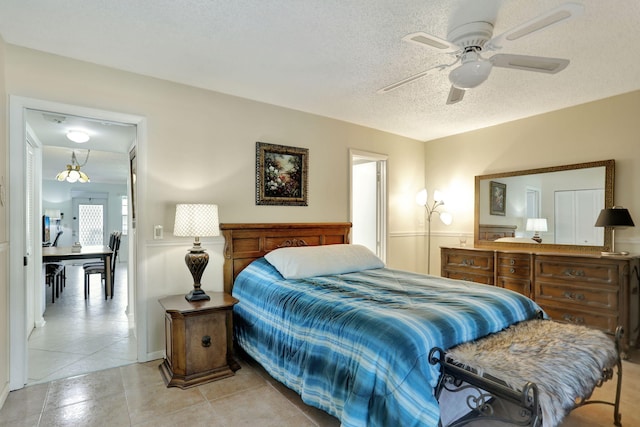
column 552, row 208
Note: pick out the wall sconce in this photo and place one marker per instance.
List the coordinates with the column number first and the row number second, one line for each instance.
column 445, row 217
column 536, row 225
column 615, row 217
column 196, row 220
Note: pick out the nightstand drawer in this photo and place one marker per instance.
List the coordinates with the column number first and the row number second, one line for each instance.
column 603, row 297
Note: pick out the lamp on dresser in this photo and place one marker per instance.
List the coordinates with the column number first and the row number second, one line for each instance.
column 445, row 217
column 196, row 220
column 615, row 217
column 536, row 225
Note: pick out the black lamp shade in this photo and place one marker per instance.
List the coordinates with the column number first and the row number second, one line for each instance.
column 614, row 217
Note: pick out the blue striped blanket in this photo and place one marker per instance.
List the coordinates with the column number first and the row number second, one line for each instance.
column 356, row 345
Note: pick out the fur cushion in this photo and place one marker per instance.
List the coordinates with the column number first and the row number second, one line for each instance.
column 565, row 361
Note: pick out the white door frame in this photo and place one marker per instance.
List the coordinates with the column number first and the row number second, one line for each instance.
column 16, row 173
column 381, row 196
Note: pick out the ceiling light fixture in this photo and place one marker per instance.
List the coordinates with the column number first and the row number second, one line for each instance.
column 473, row 71
column 78, row 136
column 73, row 173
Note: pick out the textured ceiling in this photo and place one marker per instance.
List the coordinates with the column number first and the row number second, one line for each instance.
column 330, row 57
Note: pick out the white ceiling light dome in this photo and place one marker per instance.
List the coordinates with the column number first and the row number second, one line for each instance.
column 473, row 71
column 78, row 136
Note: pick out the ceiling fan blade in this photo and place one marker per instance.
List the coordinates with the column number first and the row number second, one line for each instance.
column 423, row 39
column 415, row 77
column 455, row 95
column 529, row 63
column 554, row 16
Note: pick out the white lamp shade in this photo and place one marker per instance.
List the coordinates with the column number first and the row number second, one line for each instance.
column 536, row 224
column 196, row 220
column 446, row 218
column 421, row 197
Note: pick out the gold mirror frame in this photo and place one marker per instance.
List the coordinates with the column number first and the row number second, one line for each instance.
column 609, row 166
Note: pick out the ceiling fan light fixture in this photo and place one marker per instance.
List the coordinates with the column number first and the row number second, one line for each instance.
column 470, row 74
column 78, row 136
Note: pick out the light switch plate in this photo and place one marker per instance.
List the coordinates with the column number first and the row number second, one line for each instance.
column 157, row 232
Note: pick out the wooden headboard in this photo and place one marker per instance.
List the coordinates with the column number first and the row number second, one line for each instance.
column 246, row 242
column 493, row 232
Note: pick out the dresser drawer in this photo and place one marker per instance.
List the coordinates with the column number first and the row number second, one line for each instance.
column 467, row 260
column 514, row 265
column 522, row 286
column 603, row 297
column 595, row 272
column 469, row 276
column 606, row 321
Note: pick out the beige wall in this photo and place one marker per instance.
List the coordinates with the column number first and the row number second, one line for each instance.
column 601, row 130
column 4, row 244
column 201, row 148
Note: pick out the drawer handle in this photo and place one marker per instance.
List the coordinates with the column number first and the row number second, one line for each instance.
column 206, row 341
column 573, row 319
column 574, row 273
column 512, row 262
column 467, row 262
column 513, row 270
column 574, row 296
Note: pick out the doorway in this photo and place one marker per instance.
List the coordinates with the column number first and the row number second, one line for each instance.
column 20, row 279
column 368, row 201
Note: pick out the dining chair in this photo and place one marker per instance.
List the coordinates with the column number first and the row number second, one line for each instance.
column 98, row 268
column 55, row 273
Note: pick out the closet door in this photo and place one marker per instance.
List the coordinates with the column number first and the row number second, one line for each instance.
column 576, row 212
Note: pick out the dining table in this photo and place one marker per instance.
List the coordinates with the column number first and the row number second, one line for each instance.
column 70, row 253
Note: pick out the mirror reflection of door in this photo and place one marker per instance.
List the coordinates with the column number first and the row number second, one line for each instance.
column 89, row 218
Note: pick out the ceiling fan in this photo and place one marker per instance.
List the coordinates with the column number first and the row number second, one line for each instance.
column 468, row 41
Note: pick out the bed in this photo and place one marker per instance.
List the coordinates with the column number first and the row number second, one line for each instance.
column 366, row 345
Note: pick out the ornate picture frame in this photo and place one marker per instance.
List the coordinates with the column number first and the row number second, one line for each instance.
column 281, row 175
column 498, row 198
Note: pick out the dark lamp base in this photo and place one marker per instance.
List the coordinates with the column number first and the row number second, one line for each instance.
column 197, row 295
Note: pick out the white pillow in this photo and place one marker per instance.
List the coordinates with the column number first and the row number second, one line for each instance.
column 308, row 261
column 516, row 240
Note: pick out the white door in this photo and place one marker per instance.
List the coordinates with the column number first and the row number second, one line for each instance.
column 30, row 234
column 369, row 201
column 89, row 219
column 576, row 212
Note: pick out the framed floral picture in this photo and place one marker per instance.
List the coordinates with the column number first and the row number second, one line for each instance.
column 498, row 194
column 281, row 175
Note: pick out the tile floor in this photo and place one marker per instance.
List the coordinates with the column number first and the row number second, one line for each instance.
column 81, row 335
column 134, row 394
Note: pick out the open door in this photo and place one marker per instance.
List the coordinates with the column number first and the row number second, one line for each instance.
column 368, row 201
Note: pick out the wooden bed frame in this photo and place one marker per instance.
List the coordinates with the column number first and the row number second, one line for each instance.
column 247, row 242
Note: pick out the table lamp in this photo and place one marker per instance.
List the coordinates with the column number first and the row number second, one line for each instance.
column 196, row 220
column 615, row 217
column 536, row 225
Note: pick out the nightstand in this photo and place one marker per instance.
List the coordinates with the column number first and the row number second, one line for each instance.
column 197, row 340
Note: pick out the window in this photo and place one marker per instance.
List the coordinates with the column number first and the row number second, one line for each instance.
column 124, row 201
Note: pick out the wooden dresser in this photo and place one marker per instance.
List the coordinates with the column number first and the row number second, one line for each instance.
column 589, row 289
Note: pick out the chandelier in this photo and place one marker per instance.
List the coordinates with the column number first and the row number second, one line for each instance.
column 73, row 173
